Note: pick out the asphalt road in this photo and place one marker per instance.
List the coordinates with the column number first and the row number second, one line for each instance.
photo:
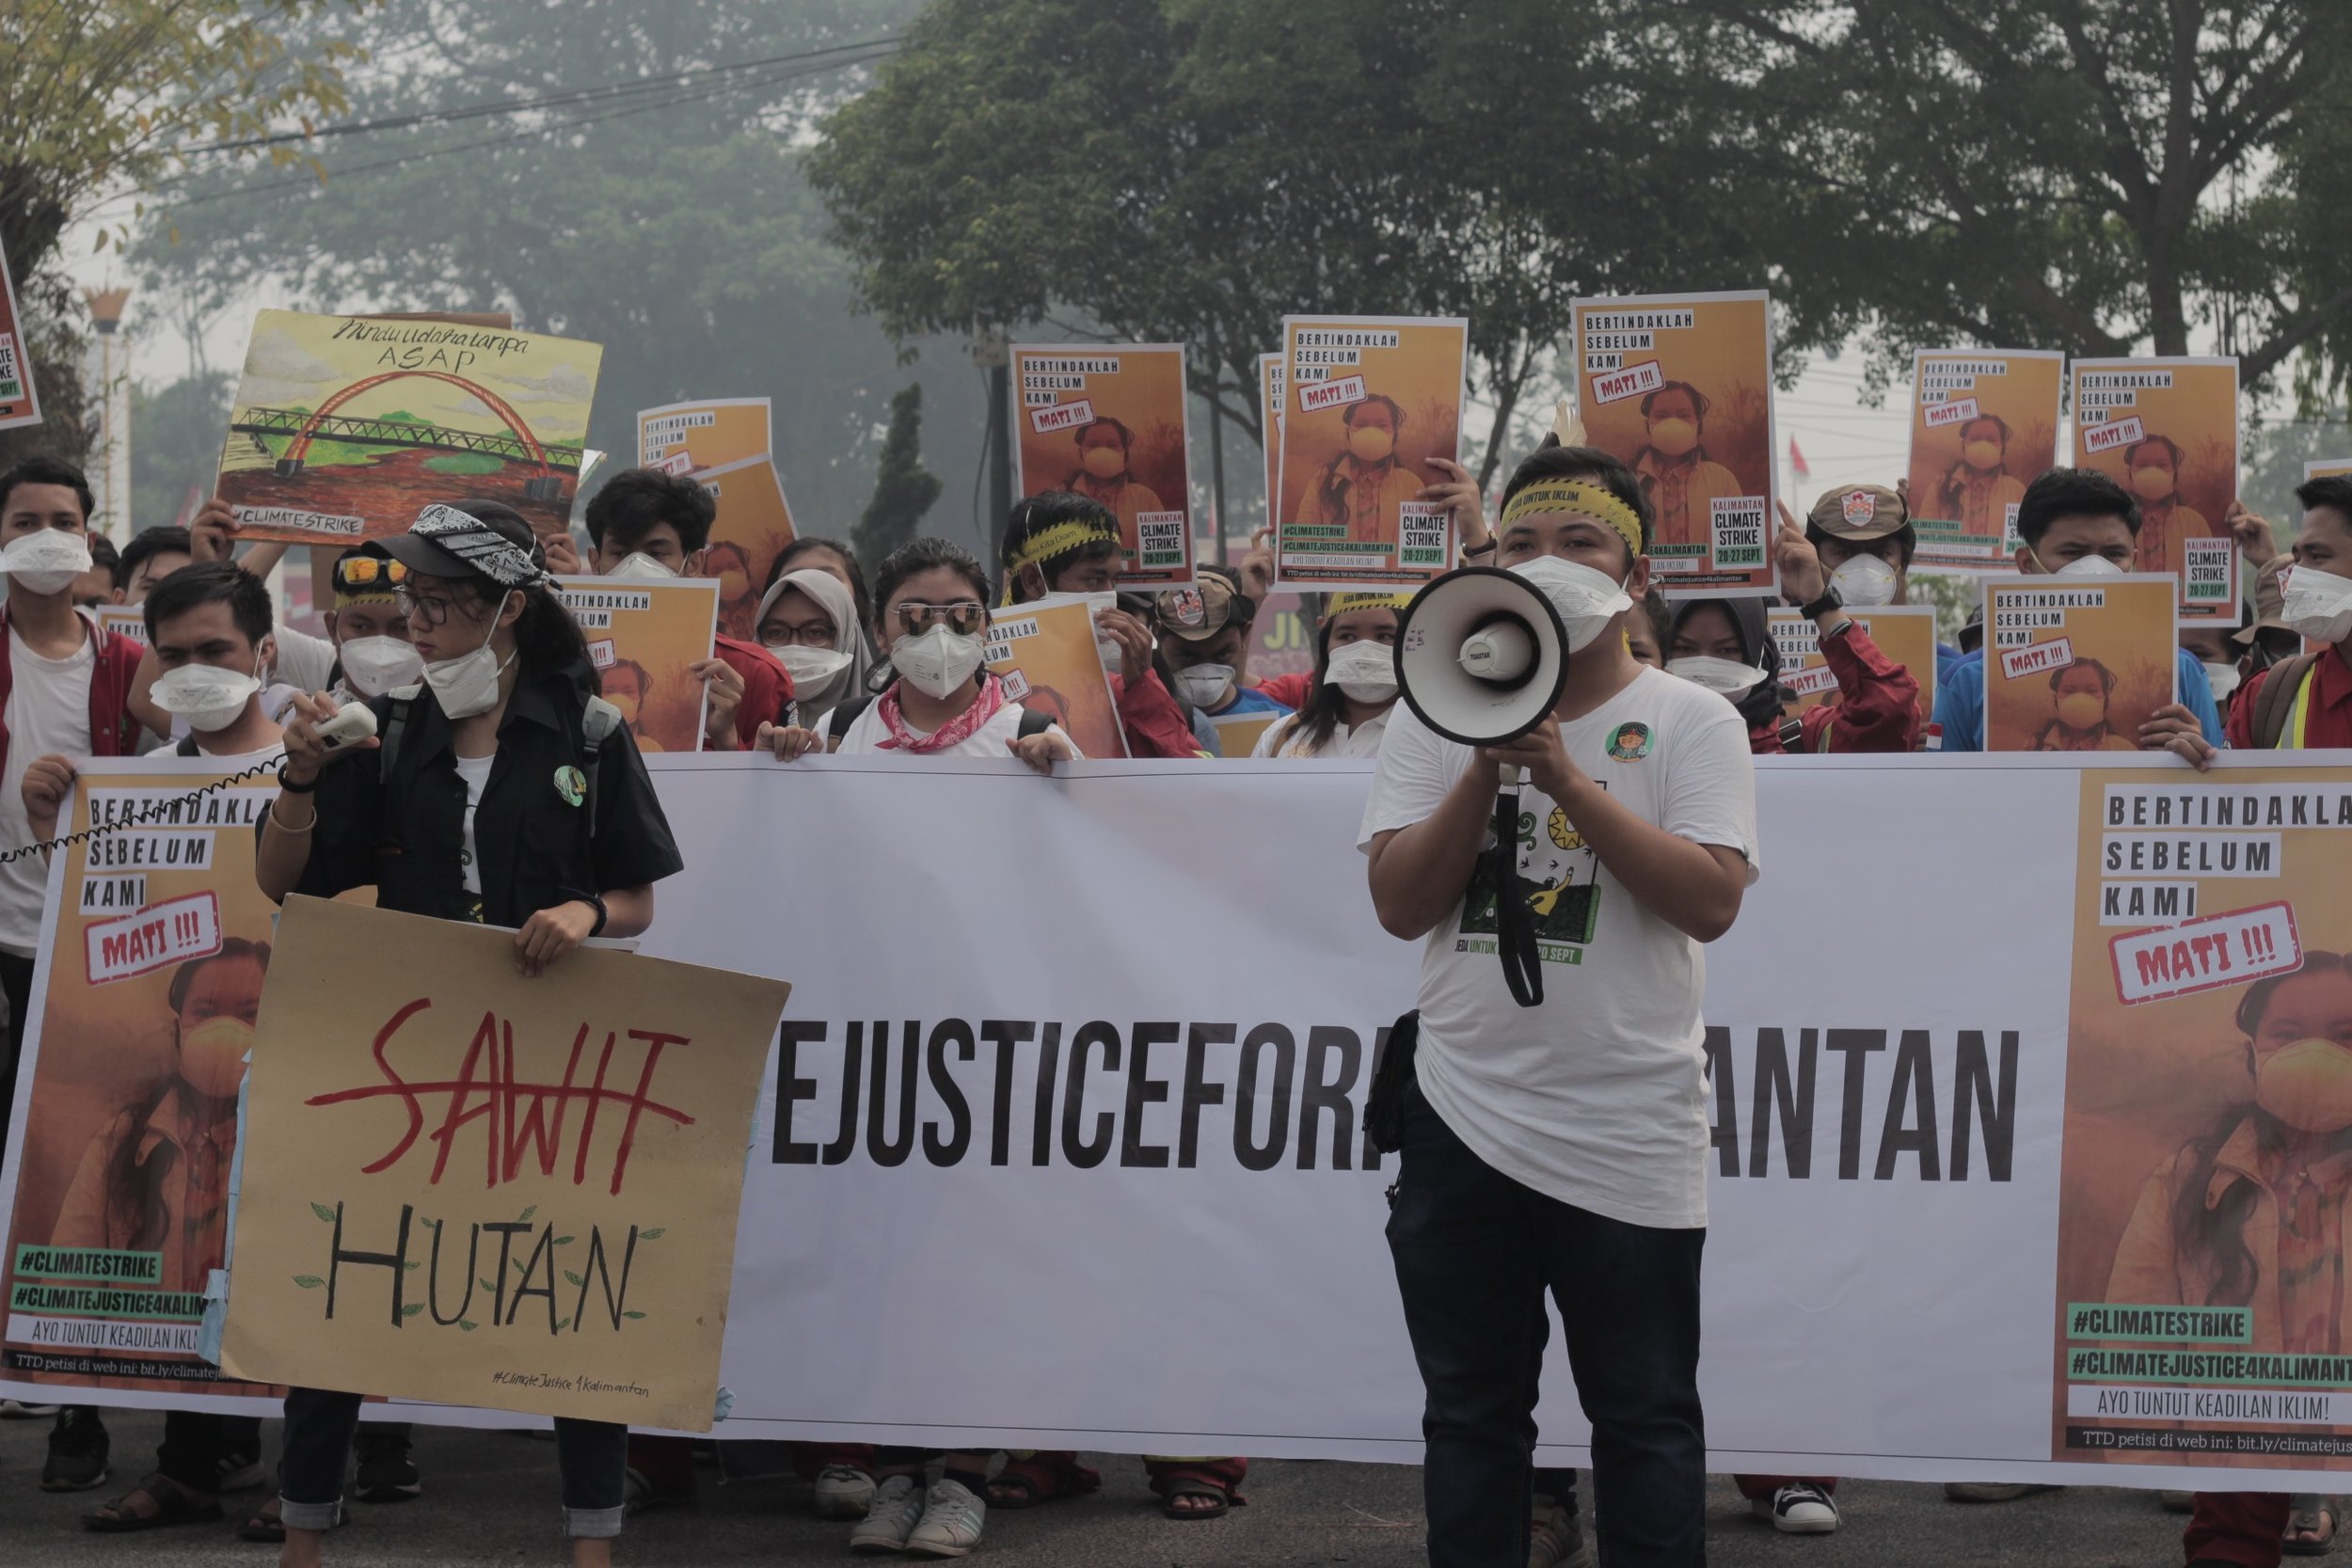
column 490, row 1498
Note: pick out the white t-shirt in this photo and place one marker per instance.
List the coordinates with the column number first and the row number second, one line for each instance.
column 48, row 714
column 476, row 773
column 303, row 661
column 1598, row 1097
column 868, row 732
column 1362, row 741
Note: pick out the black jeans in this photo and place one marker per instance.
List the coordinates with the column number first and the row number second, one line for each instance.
column 1475, row 1253
column 196, row 1441
column 591, row 1456
column 16, row 983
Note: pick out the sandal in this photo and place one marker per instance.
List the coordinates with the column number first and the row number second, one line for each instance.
column 174, row 1505
column 2311, row 1527
column 1028, row 1481
column 266, row 1524
column 1188, row 1481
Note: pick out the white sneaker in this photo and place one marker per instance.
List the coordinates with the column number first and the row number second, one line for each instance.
column 890, row 1517
column 1799, row 1508
column 1555, row 1539
column 951, row 1522
column 17, row 1410
column 843, row 1492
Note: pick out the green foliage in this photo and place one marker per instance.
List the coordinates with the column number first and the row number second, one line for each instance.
column 1952, row 593
column 175, row 448
column 903, row 490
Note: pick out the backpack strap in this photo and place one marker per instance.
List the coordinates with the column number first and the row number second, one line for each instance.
column 1791, row 736
column 1034, row 723
column 599, row 721
column 2274, row 705
column 838, row 722
column 403, row 700
column 187, row 747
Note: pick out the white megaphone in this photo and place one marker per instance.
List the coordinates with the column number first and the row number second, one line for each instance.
column 1481, row 656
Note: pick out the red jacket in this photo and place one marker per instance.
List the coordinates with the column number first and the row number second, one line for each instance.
column 1876, row 709
column 1155, row 725
column 1290, row 691
column 113, row 732
column 767, row 685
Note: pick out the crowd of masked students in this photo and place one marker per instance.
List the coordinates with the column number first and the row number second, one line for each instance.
column 459, row 610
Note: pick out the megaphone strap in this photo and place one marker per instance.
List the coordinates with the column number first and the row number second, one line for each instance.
column 1567, row 495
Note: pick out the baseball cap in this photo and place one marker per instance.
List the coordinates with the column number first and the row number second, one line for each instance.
column 473, row 539
column 1200, row 611
column 1859, row 512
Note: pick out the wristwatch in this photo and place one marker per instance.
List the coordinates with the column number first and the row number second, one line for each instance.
column 1830, row 599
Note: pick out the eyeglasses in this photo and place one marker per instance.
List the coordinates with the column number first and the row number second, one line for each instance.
column 366, row 571
column 433, row 610
column 965, row 617
column 815, row 634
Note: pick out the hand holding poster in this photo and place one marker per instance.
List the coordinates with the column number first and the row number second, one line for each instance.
column 2076, row 665
column 1045, row 652
column 344, row 427
column 2166, row 428
column 19, row 404
column 641, row 636
column 1371, row 399
column 1983, row 426
column 1107, row 421
column 529, row 1252
column 1904, row 633
column 1678, row 387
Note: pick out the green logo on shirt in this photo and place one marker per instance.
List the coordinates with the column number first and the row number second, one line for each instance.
column 571, row 784
column 1629, row 741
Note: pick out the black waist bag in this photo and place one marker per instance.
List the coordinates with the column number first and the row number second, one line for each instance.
column 1391, row 1085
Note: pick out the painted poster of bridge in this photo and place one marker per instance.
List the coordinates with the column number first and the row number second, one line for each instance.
column 344, row 427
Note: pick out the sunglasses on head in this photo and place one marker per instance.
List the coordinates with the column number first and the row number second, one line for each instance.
column 965, row 617
column 370, row 571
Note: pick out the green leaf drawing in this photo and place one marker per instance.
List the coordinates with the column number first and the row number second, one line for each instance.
column 563, row 1240
column 467, row 1324
column 322, row 1212
column 412, row 1309
column 528, row 1213
column 488, row 1286
column 632, row 1314
column 653, row 1235
column 308, row 1281
column 565, row 1323
column 520, row 1270
column 404, row 1267
column 572, row 1277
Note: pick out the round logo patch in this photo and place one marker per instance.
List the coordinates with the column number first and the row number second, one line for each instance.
column 1859, row 506
column 571, row 784
column 1629, row 741
column 1186, row 605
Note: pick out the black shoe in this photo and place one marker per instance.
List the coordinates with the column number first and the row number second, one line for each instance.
column 239, row 1471
column 386, row 1474
column 78, row 1448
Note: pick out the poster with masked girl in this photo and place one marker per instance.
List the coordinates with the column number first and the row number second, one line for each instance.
column 1679, row 389
column 2201, row 1316
column 641, row 636
column 153, row 953
column 754, row 525
column 1046, row 654
column 2166, row 428
column 2076, row 666
column 1106, row 421
column 1368, row 402
column 1983, row 426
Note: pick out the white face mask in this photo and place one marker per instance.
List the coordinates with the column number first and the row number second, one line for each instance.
column 1587, row 600
column 2222, row 678
column 47, row 561
column 1366, row 672
column 1206, row 685
column 469, row 684
column 375, row 665
column 2086, row 566
column 1864, row 580
column 937, row 661
column 1726, row 675
column 208, row 697
column 2318, row 604
column 637, row 566
column 815, row 672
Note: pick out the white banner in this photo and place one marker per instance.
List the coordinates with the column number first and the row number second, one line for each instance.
column 1069, row 1147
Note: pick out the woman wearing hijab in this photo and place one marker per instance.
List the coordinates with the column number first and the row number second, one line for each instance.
column 808, row 619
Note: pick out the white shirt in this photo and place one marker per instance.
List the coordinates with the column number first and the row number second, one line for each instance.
column 1362, row 741
column 868, row 732
column 303, row 661
column 476, row 773
column 48, row 714
column 1598, row 1097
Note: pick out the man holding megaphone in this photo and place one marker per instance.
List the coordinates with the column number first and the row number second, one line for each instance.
column 1550, row 1110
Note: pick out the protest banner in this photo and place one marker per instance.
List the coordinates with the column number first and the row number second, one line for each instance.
column 1678, row 387
column 1270, row 429
column 2076, row 666
column 1045, row 652
column 694, row 438
column 516, row 1256
column 754, row 525
column 1371, row 399
column 20, row 404
column 2166, row 428
column 344, row 427
column 1904, row 633
column 1238, row 734
column 1983, row 426
column 154, row 945
column 641, row 636
column 124, row 619
column 1107, row 421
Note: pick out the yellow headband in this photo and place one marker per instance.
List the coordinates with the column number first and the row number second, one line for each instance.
column 1567, row 495
column 1062, row 539
column 1343, row 603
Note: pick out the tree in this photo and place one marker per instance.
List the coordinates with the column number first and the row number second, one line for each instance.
column 903, row 491
column 175, row 445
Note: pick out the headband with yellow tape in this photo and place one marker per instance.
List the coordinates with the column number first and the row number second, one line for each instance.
column 1343, row 603
column 1052, row 543
column 1566, row 495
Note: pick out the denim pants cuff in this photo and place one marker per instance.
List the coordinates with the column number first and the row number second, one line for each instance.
column 310, row 1515
column 593, row 1524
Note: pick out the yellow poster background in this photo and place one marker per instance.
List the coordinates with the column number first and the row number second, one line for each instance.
column 345, row 427
column 1904, row 633
column 640, row 636
column 2197, row 414
column 1045, row 653
column 1142, row 386
column 1333, row 529
column 707, row 435
column 754, row 525
column 1237, row 734
column 1961, row 514
column 607, row 1298
column 2132, row 634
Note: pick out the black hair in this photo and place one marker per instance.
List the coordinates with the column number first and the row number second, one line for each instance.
column 644, row 677
column 1659, row 614
column 2107, row 676
column 1320, row 714
column 807, row 542
column 547, row 640
column 2073, row 493
column 1762, row 702
column 1126, row 436
column 213, row 582
column 1048, row 510
column 1551, row 460
column 102, row 553
column 635, row 502
column 1906, row 538
column 162, row 539
column 2171, row 448
column 2333, row 491
column 918, row 556
column 42, row 469
column 1396, row 411
column 1699, row 401
column 2000, row 422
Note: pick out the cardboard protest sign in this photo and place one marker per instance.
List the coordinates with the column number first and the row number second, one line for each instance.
column 1237, row 734
column 124, row 619
column 2076, row 665
column 2166, row 428
column 344, row 427
column 1679, row 389
column 20, row 404
column 1270, row 429
column 2327, row 468
column 1904, row 633
column 561, row 1240
column 1370, row 399
column 153, row 949
column 640, row 636
column 692, row 438
column 1983, row 426
column 754, row 525
column 1045, row 652
column 1107, row 421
